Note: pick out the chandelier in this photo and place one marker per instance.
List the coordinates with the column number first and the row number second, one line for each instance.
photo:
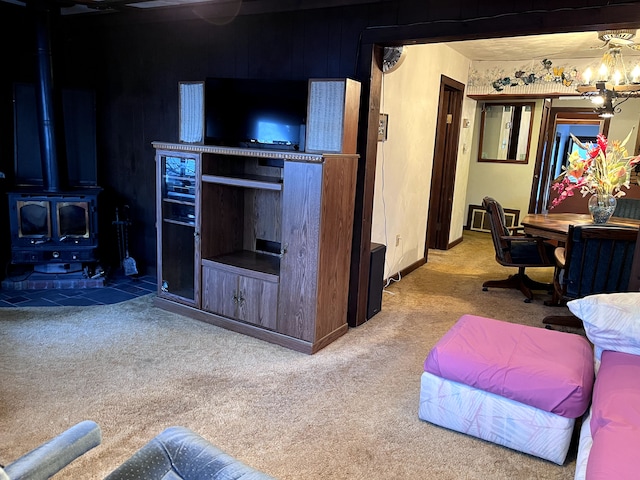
column 613, row 83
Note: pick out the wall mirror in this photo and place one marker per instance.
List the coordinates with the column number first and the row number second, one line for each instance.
column 505, row 132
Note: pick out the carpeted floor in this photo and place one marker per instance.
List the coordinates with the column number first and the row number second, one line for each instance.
column 347, row 412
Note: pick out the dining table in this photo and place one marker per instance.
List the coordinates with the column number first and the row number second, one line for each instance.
column 555, row 226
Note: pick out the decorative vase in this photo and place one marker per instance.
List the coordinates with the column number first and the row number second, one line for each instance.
column 601, row 207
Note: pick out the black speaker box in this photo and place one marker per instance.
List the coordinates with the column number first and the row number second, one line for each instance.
column 376, row 279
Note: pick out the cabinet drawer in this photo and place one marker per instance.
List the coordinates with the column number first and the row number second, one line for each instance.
column 240, row 297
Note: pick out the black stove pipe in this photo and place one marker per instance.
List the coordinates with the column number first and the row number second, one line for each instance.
column 46, row 100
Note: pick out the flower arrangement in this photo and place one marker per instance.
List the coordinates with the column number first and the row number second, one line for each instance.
column 605, row 171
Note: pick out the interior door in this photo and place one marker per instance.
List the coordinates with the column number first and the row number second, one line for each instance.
column 553, row 149
column 444, row 164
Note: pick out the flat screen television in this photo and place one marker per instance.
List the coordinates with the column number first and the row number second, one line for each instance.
column 255, row 113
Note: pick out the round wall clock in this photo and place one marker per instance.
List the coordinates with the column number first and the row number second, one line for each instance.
column 392, row 58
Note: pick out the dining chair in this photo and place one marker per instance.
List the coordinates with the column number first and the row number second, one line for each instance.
column 627, row 208
column 515, row 249
column 595, row 259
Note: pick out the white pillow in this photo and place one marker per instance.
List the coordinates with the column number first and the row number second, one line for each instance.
column 611, row 320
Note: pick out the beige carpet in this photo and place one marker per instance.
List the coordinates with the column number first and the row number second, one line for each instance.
column 347, row 412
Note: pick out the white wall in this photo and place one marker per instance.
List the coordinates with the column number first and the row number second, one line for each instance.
column 621, row 123
column 508, row 183
column 404, row 162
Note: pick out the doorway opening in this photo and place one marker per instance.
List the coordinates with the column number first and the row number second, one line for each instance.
column 556, row 130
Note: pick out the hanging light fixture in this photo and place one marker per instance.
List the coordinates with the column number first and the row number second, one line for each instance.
column 612, row 84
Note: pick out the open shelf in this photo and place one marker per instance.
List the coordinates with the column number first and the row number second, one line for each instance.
column 180, row 202
column 246, row 180
column 179, row 212
column 186, row 223
column 185, row 198
column 248, row 263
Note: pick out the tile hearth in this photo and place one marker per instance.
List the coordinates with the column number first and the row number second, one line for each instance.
column 116, row 288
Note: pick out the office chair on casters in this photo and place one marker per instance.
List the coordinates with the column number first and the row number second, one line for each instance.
column 595, row 259
column 514, row 249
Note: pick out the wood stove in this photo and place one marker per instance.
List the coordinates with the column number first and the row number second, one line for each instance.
column 53, row 226
column 49, row 228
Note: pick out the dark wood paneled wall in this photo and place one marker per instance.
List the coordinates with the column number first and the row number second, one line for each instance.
column 16, row 66
column 134, row 61
column 141, row 65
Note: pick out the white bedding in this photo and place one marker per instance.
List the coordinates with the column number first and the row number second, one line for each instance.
column 494, row 418
column 584, row 447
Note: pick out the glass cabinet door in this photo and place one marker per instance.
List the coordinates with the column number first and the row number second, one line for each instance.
column 178, row 187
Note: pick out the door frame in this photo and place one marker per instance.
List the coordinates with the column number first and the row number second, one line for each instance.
column 368, row 71
column 445, row 160
column 551, row 118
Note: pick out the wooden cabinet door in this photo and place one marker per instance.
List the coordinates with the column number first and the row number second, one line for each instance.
column 300, row 241
column 177, row 222
column 257, row 302
column 219, row 292
column 240, row 297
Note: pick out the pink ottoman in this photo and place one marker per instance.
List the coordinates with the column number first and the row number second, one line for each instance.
column 518, row 386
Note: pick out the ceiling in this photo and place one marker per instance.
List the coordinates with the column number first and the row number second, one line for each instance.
column 556, row 46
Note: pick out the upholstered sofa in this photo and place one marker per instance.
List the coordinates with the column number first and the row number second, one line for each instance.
column 179, row 453
column 52, row 456
column 610, row 432
column 175, row 453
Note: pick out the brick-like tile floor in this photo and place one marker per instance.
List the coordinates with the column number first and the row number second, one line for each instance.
column 117, row 288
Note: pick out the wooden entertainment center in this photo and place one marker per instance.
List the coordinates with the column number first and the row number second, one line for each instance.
column 257, row 240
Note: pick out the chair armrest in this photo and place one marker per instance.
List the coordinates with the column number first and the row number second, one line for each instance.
column 540, row 242
column 178, row 452
column 560, row 256
column 522, row 238
column 52, row 456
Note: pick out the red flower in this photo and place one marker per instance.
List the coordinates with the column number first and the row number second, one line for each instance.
column 602, row 142
column 605, row 170
column 594, row 151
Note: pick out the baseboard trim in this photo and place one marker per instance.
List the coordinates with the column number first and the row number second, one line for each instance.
column 406, row 271
column 414, row 266
column 454, row 243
